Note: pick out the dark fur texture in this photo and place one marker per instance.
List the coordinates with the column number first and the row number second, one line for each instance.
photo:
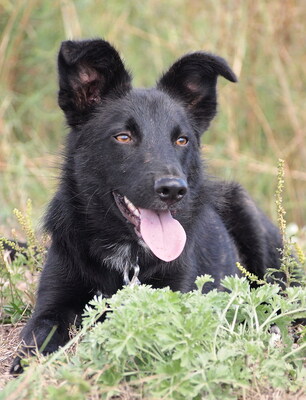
column 91, row 240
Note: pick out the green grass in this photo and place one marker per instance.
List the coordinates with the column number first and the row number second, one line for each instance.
column 241, row 343
column 159, row 344
column 19, row 276
column 261, row 118
column 220, row 345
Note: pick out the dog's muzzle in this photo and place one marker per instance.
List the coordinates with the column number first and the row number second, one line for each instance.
column 170, row 190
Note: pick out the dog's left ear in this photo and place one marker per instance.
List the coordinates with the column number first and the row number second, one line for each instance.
column 192, row 80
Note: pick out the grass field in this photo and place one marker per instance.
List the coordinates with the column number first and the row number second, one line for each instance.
column 261, row 118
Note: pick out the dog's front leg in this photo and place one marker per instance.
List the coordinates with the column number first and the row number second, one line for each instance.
column 62, row 295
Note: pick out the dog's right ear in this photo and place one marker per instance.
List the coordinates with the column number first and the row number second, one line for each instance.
column 89, row 71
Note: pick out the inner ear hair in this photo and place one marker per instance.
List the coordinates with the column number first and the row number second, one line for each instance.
column 89, row 71
column 197, row 91
column 87, row 74
column 192, row 80
column 87, row 85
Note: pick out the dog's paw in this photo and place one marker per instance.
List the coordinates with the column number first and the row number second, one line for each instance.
column 18, row 365
column 21, row 361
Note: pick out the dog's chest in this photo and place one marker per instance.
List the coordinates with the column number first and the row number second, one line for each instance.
column 119, row 258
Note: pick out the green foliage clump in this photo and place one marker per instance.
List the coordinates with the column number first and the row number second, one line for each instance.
column 159, row 344
column 293, row 264
column 18, row 277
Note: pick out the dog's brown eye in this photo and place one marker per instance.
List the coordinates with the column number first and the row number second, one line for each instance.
column 181, row 141
column 123, row 138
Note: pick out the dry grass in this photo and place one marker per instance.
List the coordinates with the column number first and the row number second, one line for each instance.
column 262, row 118
column 272, row 394
column 9, row 341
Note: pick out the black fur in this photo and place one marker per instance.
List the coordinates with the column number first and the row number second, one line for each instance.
column 91, row 239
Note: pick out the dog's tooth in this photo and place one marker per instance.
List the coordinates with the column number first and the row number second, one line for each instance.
column 127, row 201
column 131, row 207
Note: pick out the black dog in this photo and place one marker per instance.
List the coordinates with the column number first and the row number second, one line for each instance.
column 133, row 191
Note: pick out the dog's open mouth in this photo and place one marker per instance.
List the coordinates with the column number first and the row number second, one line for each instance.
column 163, row 234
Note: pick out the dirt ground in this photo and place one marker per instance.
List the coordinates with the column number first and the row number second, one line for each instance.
column 9, row 341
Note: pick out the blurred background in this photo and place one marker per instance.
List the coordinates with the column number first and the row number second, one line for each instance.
column 261, row 119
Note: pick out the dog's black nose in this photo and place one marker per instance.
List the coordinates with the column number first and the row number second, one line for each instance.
column 171, row 190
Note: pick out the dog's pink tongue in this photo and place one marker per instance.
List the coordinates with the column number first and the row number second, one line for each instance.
column 163, row 234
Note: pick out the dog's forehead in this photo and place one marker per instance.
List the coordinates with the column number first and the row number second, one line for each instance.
column 154, row 105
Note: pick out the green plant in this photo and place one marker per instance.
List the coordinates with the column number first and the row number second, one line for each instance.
column 251, row 277
column 168, row 345
column 18, row 277
column 293, row 260
column 292, row 256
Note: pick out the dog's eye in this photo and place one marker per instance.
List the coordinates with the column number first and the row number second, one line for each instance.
column 182, row 141
column 123, row 137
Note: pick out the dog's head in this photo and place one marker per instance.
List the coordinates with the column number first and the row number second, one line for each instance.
column 137, row 149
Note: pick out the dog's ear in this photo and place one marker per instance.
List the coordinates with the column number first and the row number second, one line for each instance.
column 89, row 71
column 192, row 80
